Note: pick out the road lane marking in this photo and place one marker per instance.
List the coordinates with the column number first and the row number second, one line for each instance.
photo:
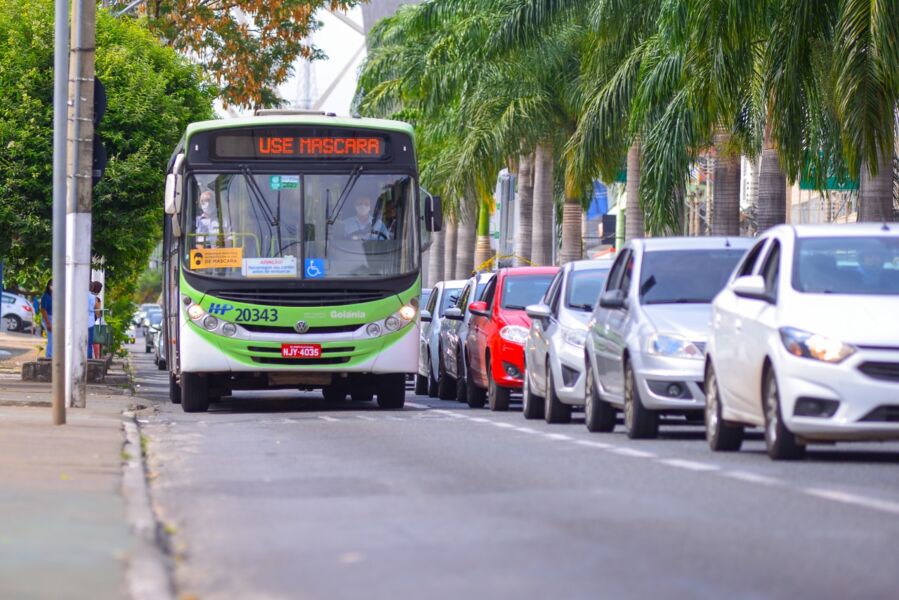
column 592, row 444
column 328, row 419
column 854, row 499
column 690, row 465
column 503, row 424
column 752, row 477
column 417, row 405
column 557, row 436
column 526, row 430
column 633, row 453
column 365, row 418
column 481, row 420
column 448, row 413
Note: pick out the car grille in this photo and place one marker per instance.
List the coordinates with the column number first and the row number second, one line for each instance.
column 887, row 371
column 887, row 413
column 335, row 297
column 311, row 331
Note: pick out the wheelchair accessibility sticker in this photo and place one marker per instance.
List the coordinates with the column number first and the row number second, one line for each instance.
column 314, row 268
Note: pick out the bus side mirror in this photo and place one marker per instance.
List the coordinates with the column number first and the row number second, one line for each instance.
column 170, row 194
column 173, row 187
column 434, row 213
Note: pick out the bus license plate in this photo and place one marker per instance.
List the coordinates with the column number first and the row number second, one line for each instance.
column 301, row 351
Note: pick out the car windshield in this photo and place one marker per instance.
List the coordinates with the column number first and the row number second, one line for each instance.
column 521, row 290
column 686, row 276
column 292, row 226
column 847, row 265
column 584, row 287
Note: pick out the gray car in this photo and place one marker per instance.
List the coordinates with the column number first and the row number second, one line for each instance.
column 554, row 349
column 454, row 330
column 647, row 336
column 429, row 379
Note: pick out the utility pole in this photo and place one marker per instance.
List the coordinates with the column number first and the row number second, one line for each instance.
column 60, row 114
column 78, row 206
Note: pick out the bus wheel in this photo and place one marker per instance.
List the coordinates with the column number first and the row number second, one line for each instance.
column 362, row 396
column 391, row 391
column 174, row 389
column 334, row 393
column 194, row 392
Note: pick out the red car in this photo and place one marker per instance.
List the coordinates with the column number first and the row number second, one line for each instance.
column 496, row 335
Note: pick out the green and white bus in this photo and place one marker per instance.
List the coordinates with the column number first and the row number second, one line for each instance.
column 292, row 256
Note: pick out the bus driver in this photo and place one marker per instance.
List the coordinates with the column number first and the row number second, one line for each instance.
column 362, row 225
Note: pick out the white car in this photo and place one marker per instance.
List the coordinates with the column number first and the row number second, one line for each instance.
column 554, row 349
column 430, row 379
column 18, row 315
column 805, row 340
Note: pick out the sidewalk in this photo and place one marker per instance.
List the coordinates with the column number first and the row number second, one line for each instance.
column 63, row 527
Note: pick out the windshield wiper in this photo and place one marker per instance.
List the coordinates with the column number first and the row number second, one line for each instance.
column 274, row 220
column 344, row 193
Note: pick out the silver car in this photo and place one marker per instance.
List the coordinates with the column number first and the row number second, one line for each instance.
column 429, row 380
column 454, row 330
column 647, row 336
column 554, row 349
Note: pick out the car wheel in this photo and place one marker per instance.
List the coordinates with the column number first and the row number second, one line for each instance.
column 446, row 385
column 13, row 323
column 555, row 411
column 461, row 382
column 780, row 441
column 174, row 389
column 421, row 385
column 497, row 396
column 531, row 404
column 638, row 422
column 432, row 383
column 194, row 392
column 391, row 391
column 721, row 435
column 599, row 415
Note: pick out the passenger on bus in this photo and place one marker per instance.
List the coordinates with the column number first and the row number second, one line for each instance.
column 206, row 222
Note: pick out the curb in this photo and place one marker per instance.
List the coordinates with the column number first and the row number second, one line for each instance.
column 148, row 573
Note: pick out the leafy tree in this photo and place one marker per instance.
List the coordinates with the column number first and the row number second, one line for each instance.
column 153, row 94
column 247, row 46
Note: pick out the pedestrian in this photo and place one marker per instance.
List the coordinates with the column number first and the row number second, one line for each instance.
column 96, row 288
column 47, row 316
column 91, row 319
column 38, row 327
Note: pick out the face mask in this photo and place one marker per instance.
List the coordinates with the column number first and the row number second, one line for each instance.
column 362, row 210
column 204, row 206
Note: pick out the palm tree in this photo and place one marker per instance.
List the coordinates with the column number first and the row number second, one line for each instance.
column 483, row 252
column 436, row 256
column 633, row 218
column 466, row 229
column 449, row 249
column 525, row 209
column 541, row 241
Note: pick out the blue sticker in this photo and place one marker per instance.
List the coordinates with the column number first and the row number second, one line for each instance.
column 315, row 268
column 220, row 309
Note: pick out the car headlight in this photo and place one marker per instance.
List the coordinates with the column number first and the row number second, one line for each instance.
column 576, row 337
column 811, row 345
column 514, row 333
column 672, row 346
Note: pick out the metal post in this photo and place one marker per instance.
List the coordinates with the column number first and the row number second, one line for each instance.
column 60, row 114
column 78, row 208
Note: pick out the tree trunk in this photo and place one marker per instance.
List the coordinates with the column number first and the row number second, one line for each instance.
column 482, row 250
column 875, row 192
column 525, row 208
column 449, row 250
column 465, row 232
column 726, row 190
column 633, row 212
column 435, row 266
column 572, row 228
column 542, row 239
column 771, row 209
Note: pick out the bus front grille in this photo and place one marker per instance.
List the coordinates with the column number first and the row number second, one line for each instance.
column 256, row 328
column 277, row 360
column 337, row 297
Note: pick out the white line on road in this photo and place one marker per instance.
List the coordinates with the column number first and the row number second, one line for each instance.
column 481, row 420
column 328, row 419
column 365, row 418
column 752, row 477
column 633, row 453
column 558, row 436
column 416, row 405
column 690, row 465
column 855, row 499
column 503, row 424
column 526, row 430
column 592, row 444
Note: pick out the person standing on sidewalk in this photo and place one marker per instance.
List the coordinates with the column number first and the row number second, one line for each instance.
column 47, row 316
column 96, row 288
column 91, row 319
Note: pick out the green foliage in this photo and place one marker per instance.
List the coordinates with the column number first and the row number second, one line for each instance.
column 153, row 94
column 149, row 286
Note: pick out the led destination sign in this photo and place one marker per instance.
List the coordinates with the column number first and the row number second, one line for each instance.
column 275, row 144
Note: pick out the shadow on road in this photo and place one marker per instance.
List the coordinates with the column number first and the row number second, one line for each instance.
column 292, row 402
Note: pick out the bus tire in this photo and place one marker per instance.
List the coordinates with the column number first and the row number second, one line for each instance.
column 391, row 391
column 194, row 392
column 334, row 393
column 174, row 389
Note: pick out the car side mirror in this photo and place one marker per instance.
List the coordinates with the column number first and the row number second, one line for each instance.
column 538, row 312
column 478, row 308
column 613, row 299
column 751, row 287
column 426, row 316
column 434, row 213
column 453, row 313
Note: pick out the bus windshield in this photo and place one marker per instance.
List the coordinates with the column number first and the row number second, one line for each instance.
column 293, row 226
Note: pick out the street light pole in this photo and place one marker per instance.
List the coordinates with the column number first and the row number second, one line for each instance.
column 60, row 114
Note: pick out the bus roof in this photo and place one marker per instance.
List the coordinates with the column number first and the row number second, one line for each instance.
column 362, row 123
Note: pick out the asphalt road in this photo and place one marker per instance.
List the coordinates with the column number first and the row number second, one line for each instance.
column 281, row 495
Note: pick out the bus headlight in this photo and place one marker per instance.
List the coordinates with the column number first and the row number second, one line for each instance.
column 407, row 312
column 373, row 330
column 210, row 322
column 229, row 329
column 195, row 312
column 391, row 323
